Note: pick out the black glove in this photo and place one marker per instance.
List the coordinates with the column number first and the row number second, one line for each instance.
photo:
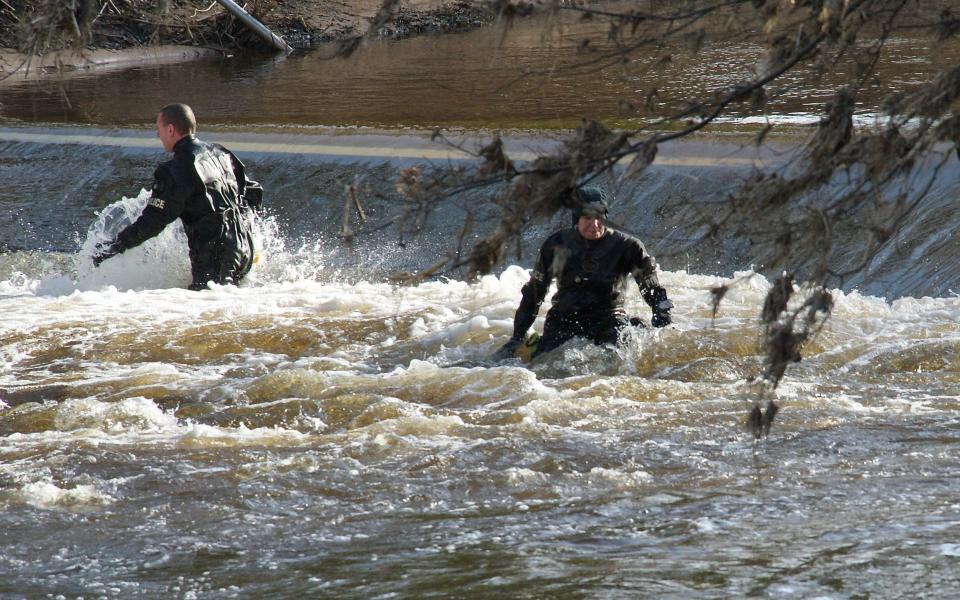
column 661, row 314
column 506, row 351
column 661, row 319
column 105, row 252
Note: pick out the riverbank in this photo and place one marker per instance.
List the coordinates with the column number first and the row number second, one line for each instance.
column 142, row 34
column 16, row 67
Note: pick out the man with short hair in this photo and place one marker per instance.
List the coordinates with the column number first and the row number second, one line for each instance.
column 591, row 263
column 205, row 186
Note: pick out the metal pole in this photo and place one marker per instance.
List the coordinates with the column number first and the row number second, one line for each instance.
column 256, row 25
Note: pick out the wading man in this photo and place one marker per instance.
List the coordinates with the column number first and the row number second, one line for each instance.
column 591, row 264
column 204, row 185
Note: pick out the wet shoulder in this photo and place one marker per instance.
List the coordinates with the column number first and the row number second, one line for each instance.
column 560, row 237
column 176, row 172
column 621, row 237
column 198, row 150
column 202, row 147
column 622, row 240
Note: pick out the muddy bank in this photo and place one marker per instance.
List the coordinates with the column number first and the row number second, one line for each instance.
column 143, row 34
column 302, row 23
column 305, row 23
column 16, row 67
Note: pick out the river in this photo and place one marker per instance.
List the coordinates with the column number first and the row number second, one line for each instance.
column 321, row 432
column 525, row 76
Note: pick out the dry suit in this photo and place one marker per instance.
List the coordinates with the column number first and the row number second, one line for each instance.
column 590, row 275
column 204, row 185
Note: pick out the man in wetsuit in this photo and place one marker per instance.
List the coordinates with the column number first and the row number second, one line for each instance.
column 205, row 186
column 591, row 264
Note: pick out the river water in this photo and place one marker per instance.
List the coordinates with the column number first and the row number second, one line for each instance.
column 321, row 432
column 528, row 75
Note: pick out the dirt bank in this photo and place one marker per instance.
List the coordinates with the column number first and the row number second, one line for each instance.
column 306, row 22
column 14, row 67
column 122, row 33
column 122, row 24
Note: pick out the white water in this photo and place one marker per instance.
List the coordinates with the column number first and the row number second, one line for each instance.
column 318, row 433
column 302, row 435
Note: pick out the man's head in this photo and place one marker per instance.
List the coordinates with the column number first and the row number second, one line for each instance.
column 174, row 121
column 590, row 214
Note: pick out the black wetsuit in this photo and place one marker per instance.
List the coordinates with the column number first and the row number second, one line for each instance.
column 590, row 277
column 204, row 185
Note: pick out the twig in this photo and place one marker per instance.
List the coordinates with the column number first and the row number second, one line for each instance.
column 352, row 190
column 406, row 277
column 346, row 233
column 207, row 9
column 467, row 226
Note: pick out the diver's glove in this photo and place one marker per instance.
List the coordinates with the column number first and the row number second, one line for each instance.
column 105, row 252
column 661, row 313
column 506, row 351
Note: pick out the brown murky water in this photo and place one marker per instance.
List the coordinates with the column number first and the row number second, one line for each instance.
column 529, row 75
column 314, row 435
column 316, row 438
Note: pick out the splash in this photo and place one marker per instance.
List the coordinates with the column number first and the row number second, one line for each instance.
column 43, row 494
column 161, row 262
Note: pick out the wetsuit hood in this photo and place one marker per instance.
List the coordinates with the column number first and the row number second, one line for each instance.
column 590, row 202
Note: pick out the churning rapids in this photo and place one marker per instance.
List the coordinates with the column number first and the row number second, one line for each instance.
column 318, row 432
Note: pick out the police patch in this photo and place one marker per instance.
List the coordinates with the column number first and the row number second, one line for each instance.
column 157, row 202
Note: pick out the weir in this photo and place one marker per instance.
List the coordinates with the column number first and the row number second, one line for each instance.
column 307, row 175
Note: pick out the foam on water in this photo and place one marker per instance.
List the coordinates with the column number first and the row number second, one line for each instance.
column 111, row 417
column 439, row 323
column 44, row 494
column 347, row 413
column 317, row 428
column 139, row 423
column 206, row 436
